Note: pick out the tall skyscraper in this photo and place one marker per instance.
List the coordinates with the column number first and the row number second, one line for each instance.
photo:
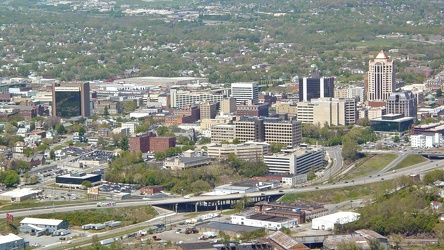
column 245, row 92
column 71, row 99
column 316, row 87
column 381, row 78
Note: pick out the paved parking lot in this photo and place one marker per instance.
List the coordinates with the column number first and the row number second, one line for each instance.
column 45, row 240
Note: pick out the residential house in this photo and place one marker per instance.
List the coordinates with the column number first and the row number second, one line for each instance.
column 436, row 205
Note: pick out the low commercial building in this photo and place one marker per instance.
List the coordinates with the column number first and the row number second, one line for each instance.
column 245, row 187
column 392, row 122
column 188, row 160
column 295, row 161
column 231, row 229
column 76, row 179
column 264, row 221
column 41, row 226
column 426, row 141
column 302, row 212
column 328, row 222
column 10, row 241
column 286, row 180
column 20, row 194
column 151, row 190
column 251, row 151
column 282, row 241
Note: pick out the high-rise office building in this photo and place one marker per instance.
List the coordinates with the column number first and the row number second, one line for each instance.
column 208, row 110
column 249, row 129
column 381, row 78
column 228, row 106
column 402, row 102
column 316, row 87
column 180, row 98
column 333, row 111
column 285, row 132
column 71, row 99
column 245, row 92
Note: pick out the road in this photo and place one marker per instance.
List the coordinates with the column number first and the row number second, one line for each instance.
column 334, row 153
column 419, row 168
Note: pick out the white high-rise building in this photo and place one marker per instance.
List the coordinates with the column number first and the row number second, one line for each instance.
column 245, row 92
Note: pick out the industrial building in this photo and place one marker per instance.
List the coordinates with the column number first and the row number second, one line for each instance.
column 263, row 221
column 328, row 222
column 20, row 194
column 41, row 226
column 9, row 241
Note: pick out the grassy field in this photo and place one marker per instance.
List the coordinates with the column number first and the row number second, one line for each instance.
column 368, row 191
column 371, row 166
column 410, row 161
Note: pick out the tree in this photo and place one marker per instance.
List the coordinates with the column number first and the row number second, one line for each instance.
column 161, row 130
column 140, row 129
column 129, row 106
column 52, row 154
column 101, row 143
column 350, row 150
column 240, row 205
column 124, row 143
column 311, row 174
column 9, row 178
column 105, row 112
column 204, row 140
column 396, row 139
column 86, row 184
column 61, row 130
column 236, row 141
column 28, row 152
column 277, row 147
column 82, row 131
column 10, row 129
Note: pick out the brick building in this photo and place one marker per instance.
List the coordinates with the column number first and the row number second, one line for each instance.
column 252, row 110
column 187, row 110
column 178, row 119
column 139, row 143
column 162, row 143
column 151, row 190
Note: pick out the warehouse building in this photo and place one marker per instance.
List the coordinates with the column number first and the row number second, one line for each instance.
column 20, row 194
column 264, row 221
column 328, row 222
column 41, row 226
column 10, row 241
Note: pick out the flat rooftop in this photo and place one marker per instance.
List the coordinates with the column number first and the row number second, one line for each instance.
column 264, row 217
column 9, row 238
column 223, row 226
column 78, row 177
column 20, row 192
